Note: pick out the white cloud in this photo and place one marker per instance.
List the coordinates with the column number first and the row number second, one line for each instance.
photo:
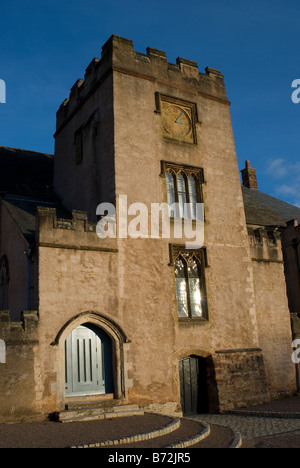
column 287, row 190
column 278, row 168
column 288, row 173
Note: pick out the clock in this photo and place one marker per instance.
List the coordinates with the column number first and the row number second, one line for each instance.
column 178, row 122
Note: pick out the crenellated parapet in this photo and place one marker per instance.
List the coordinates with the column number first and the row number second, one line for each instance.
column 118, row 55
column 76, row 233
column 79, row 218
column 22, row 332
column 265, row 244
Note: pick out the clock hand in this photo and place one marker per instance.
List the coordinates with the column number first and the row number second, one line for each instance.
column 178, row 121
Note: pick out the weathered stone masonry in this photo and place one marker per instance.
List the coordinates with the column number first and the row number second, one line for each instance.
column 19, row 380
column 110, row 141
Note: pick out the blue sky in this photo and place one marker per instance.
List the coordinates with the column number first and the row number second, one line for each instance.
column 46, row 47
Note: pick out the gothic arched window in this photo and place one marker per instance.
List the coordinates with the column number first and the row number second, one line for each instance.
column 4, row 282
column 190, row 284
column 184, row 191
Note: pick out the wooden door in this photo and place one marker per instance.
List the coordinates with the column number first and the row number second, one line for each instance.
column 193, row 385
column 85, row 362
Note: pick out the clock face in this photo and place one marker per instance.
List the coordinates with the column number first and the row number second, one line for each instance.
column 177, row 122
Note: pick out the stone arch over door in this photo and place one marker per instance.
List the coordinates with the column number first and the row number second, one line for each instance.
column 119, row 345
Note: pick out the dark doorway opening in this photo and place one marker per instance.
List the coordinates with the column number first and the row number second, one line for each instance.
column 193, row 385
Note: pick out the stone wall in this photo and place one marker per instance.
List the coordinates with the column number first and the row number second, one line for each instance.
column 19, row 400
column 241, row 378
column 273, row 317
column 291, row 248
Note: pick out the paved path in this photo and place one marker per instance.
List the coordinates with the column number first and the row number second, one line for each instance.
column 270, row 424
column 253, row 427
column 257, row 430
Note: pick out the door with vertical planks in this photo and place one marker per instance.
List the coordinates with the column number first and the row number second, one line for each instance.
column 85, row 368
column 193, row 385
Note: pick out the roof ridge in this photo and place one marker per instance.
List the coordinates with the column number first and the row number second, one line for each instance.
column 9, row 148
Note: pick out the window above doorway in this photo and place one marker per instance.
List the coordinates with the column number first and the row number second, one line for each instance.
column 191, row 297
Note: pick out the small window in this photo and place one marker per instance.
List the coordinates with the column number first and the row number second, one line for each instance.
column 272, row 241
column 184, row 190
column 258, row 240
column 4, row 282
column 190, row 284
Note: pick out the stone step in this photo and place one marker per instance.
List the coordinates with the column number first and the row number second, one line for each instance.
column 149, row 431
column 145, row 437
column 121, row 408
column 78, row 404
column 184, row 433
column 90, row 413
column 178, row 434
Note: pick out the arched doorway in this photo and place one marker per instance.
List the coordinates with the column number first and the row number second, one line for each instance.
column 193, row 385
column 88, row 362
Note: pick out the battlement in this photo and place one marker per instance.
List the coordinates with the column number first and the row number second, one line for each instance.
column 24, row 331
column 265, row 245
column 118, row 55
column 76, row 233
column 79, row 218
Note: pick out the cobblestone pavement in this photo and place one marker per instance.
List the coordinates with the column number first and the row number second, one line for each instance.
column 253, row 427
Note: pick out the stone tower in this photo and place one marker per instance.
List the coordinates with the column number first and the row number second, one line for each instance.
column 147, row 319
column 134, row 125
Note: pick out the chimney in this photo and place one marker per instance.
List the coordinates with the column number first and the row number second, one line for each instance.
column 249, row 176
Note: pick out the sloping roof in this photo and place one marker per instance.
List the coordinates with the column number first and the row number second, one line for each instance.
column 26, row 182
column 23, row 211
column 26, row 173
column 264, row 210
